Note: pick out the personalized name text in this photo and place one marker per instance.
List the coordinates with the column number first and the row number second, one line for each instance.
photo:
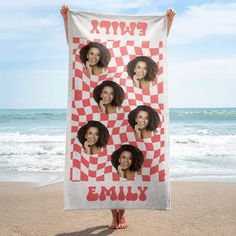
column 118, row 27
column 117, row 193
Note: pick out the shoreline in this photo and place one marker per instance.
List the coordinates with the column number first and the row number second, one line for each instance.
column 198, row 208
column 30, row 176
column 48, row 178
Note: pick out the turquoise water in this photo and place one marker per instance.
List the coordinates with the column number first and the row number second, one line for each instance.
column 203, row 115
column 202, row 144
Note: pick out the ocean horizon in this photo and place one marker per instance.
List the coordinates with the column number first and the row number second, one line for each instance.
column 202, row 144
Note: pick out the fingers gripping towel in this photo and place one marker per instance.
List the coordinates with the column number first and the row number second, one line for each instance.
column 117, row 147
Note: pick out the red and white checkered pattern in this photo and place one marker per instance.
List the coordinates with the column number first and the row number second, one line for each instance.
column 84, row 108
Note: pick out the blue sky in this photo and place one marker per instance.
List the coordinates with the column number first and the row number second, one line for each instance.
column 201, row 51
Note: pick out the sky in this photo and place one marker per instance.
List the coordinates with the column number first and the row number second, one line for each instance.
column 201, row 51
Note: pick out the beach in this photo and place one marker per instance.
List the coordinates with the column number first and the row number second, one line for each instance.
column 120, row 104
column 202, row 174
column 198, row 208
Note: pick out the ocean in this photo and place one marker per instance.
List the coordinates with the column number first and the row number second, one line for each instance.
column 202, row 144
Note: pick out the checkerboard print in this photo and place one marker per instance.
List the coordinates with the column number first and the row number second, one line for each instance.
column 98, row 167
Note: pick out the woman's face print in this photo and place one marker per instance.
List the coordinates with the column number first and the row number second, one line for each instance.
column 92, row 135
column 107, row 95
column 93, row 56
column 140, row 69
column 125, row 160
column 142, row 119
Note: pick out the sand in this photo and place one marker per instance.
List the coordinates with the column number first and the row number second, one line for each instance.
column 198, row 208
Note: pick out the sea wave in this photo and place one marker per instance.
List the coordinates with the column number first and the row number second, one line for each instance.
column 202, row 146
column 17, row 137
column 203, row 114
column 7, row 116
column 202, row 142
column 29, row 152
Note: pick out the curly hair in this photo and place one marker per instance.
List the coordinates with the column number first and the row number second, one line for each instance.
column 103, row 136
column 137, row 157
column 151, row 67
column 153, row 117
column 105, row 55
column 119, row 94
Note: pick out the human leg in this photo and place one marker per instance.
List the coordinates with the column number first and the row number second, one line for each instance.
column 114, row 222
column 122, row 223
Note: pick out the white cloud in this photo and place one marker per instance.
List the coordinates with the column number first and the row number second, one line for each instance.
column 204, row 20
column 113, row 5
column 20, row 17
column 31, row 74
column 95, row 5
column 23, row 21
column 28, row 4
column 208, row 82
column 203, row 83
column 205, row 69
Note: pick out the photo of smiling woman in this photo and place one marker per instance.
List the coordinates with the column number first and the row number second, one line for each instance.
column 143, row 71
column 127, row 160
column 144, row 120
column 95, row 57
column 109, row 96
column 93, row 136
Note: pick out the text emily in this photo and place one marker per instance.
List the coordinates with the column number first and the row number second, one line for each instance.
column 118, row 28
column 119, row 193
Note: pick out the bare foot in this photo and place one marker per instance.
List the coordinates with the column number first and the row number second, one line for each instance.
column 114, row 224
column 122, row 223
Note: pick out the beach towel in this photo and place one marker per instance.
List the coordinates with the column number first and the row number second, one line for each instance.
column 117, row 142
